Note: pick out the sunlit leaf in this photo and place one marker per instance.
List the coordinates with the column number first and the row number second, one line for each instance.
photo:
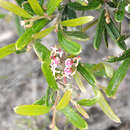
column 43, row 33
column 78, row 21
column 52, row 5
column 26, row 38
column 36, row 7
column 14, row 8
column 31, row 110
column 107, row 109
column 7, row 50
column 81, row 111
column 64, row 100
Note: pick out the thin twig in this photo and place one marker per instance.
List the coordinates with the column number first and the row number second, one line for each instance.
column 54, row 111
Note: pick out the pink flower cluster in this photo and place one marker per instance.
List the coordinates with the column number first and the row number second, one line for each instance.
column 61, row 66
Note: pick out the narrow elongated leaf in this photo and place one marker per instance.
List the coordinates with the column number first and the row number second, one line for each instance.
column 27, row 36
column 52, row 5
column 36, row 7
column 87, row 75
column 114, row 34
column 75, row 118
column 65, row 100
column 7, row 50
column 41, row 101
column 43, row 33
column 77, row 35
column 107, row 109
column 99, row 30
column 90, row 101
column 105, row 37
column 120, row 13
column 124, row 56
column 14, row 9
column 117, row 78
column 42, row 52
column 81, row 111
column 69, row 46
column 103, row 68
column 92, row 5
column 78, row 21
column 49, row 75
column 79, row 82
column 31, row 110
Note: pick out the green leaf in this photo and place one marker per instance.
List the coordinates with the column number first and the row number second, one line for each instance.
column 52, row 5
column 117, row 78
column 49, row 75
column 103, row 68
column 40, row 101
column 79, row 82
column 99, row 30
column 75, row 118
column 36, row 7
column 87, row 75
column 43, row 33
column 105, row 37
column 42, row 52
column 77, row 35
column 81, row 111
column 31, row 110
column 114, row 34
column 64, row 100
column 107, row 109
column 7, row 50
column 92, row 5
column 2, row 16
column 20, row 29
column 90, row 101
column 125, row 55
column 77, row 22
column 28, row 8
column 120, row 13
column 69, row 46
column 14, row 8
column 24, row 40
